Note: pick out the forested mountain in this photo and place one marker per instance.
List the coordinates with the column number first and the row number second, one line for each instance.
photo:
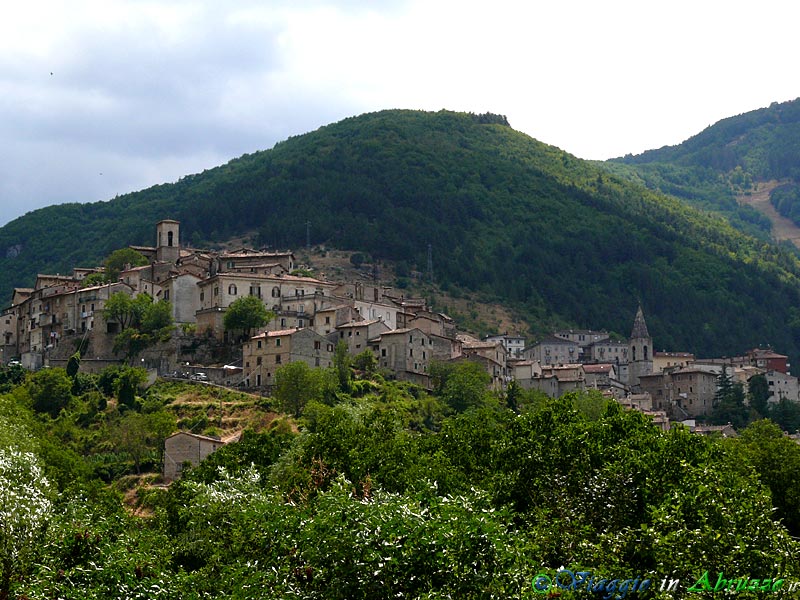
column 729, row 157
column 557, row 238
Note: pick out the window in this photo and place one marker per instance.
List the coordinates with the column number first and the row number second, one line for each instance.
column 300, row 323
column 169, row 238
column 276, row 292
column 330, row 347
column 283, row 322
column 277, row 359
column 278, row 343
column 383, row 351
column 216, row 291
column 255, row 290
column 232, row 289
column 317, row 345
column 202, row 296
column 258, row 360
column 327, row 320
column 229, row 264
column 259, row 344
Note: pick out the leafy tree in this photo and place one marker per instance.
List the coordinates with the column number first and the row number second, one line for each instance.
column 729, row 404
column 786, row 414
column 73, row 364
column 127, row 382
column 124, row 309
column 758, row 394
column 246, row 314
column 157, row 317
column 461, row 385
column 365, row 361
column 777, row 460
column 139, row 434
column 93, row 279
column 296, row 384
column 144, row 322
column 117, row 260
column 341, row 364
column 50, row 390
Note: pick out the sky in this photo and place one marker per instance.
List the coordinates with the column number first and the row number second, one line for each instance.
column 101, row 98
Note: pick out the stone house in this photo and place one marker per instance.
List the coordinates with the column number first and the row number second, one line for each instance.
column 247, row 260
column 182, row 292
column 782, row 385
column 607, row 351
column 570, row 377
column 666, row 360
column 265, row 353
column 513, row 344
column 184, row 447
column 599, row 375
column 583, row 337
column 405, row 352
column 683, row 392
column 552, row 350
column 357, row 334
column 327, row 319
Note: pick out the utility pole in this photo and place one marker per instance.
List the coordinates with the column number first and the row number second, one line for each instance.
column 308, row 234
column 430, row 263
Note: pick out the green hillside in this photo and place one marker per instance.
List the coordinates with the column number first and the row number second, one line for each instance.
column 729, row 157
column 557, row 238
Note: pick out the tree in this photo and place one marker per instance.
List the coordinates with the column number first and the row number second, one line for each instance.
column 365, row 361
column 157, row 317
column 341, row 364
column 296, row 384
column 124, row 309
column 127, row 383
column 139, row 434
column 143, row 322
column 119, row 259
column 466, row 386
column 93, row 279
column 246, row 314
column 758, row 394
column 73, row 364
column 50, row 390
column 729, row 404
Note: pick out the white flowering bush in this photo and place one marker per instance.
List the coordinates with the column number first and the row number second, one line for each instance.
column 25, row 509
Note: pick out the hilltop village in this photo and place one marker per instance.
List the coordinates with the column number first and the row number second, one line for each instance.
column 44, row 326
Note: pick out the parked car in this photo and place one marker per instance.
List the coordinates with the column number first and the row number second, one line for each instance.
column 199, row 377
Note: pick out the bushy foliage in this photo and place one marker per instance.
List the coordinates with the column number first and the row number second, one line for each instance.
column 25, row 509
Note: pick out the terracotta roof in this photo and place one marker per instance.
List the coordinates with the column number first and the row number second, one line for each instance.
column 358, row 324
column 600, row 368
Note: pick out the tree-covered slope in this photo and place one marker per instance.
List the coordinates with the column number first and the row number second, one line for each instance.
column 729, row 157
column 765, row 143
column 554, row 236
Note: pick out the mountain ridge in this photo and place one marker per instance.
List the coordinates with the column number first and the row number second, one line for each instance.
column 557, row 238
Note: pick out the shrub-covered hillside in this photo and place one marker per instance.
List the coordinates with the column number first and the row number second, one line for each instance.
column 382, row 490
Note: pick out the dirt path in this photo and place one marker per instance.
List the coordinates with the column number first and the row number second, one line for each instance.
column 782, row 228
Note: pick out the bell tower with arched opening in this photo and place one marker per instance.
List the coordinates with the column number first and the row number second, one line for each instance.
column 640, row 350
column 167, row 244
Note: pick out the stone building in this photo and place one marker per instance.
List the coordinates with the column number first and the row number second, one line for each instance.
column 182, row 448
column 264, row 354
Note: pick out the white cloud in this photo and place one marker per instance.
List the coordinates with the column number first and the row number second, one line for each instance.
column 147, row 92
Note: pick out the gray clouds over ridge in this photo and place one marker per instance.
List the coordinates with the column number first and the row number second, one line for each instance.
column 146, row 92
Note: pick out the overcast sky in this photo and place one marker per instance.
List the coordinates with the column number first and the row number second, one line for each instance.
column 113, row 96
